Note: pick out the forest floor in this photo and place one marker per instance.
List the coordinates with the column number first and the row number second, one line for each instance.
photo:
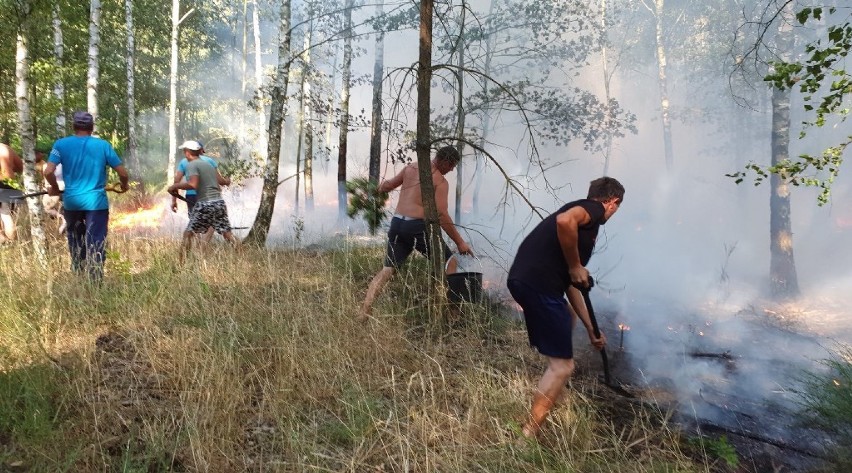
column 253, row 361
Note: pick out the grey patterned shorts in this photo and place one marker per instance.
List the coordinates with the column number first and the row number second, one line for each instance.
column 211, row 213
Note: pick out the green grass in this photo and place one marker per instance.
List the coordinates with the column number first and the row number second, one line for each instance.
column 254, row 362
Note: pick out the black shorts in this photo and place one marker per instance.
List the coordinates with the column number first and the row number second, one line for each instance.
column 548, row 320
column 405, row 236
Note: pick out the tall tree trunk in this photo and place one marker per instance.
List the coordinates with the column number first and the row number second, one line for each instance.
column 94, row 51
column 173, row 79
column 424, row 138
column 329, row 117
column 258, row 74
column 460, row 114
column 782, row 266
column 344, row 113
column 131, row 90
column 59, row 86
column 309, row 162
column 304, row 107
column 376, row 124
column 259, row 231
column 486, row 116
column 663, row 83
column 607, row 78
column 244, row 57
column 22, row 92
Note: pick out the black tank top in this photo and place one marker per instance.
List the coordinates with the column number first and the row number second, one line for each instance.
column 540, row 262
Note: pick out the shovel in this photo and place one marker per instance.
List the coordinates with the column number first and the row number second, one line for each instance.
column 608, row 381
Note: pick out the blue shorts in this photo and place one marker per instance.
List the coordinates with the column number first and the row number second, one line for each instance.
column 405, row 236
column 548, row 320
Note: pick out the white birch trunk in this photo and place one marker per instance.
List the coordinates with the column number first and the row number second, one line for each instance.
column 244, row 60
column 460, row 116
column 94, row 65
column 258, row 77
column 131, row 88
column 22, row 73
column 173, row 78
column 59, row 86
column 663, row 84
column 304, row 108
column 278, row 95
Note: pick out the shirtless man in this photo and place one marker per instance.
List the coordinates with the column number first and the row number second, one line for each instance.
column 10, row 165
column 408, row 229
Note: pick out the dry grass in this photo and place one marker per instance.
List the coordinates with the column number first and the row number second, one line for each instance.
column 253, row 362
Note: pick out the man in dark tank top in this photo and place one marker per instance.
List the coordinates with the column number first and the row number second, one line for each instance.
column 550, row 263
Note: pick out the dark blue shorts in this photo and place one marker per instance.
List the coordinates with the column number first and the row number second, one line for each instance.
column 405, row 236
column 191, row 200
column 548, row 320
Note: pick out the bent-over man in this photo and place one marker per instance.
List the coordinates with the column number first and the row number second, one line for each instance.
column 550, row 264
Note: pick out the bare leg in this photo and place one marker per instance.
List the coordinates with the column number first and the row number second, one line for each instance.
column 186, row 245
column 548, row 392
column 7, row 222
column 208, row 235
column 229, row 236
column 376, row 285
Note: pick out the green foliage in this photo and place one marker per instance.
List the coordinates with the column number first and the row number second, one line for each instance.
column 825, row 86
column 717, row 448
column 29, row 404
column 366, row 199
column 827, row 403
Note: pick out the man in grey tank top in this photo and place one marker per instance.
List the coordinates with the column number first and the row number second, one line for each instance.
column 210, row 210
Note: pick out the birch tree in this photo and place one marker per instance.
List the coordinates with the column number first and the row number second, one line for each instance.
column 173, row 79
column 94, row 60
column 460, row 110
column 25, row 124
column 376, row 122
column 58, row 56
column 662, row 82
column 131, row 88
column 278, row 97
column 782, row 266
column 344, row 111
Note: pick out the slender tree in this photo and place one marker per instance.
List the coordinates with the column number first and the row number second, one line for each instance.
column 25, row 123
column 343, row 137
column 782, row 266
column 278, row 97
column 94, row 59
column 58, row 56
column 662, row 81
column 376, row 122
column 460, row 109
column 424, row 138
column 131, row 89
column 173, row 79
column 304, row 107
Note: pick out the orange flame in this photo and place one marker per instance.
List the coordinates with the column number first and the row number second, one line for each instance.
column 142, row 218
column 624, row 327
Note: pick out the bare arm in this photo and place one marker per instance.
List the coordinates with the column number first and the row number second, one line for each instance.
column 49, row 174
column 575, row 298
column 123, row 177
column 392, row 183
column 191, row 183
column 567, row 231
column 223, row 181
column 178, row 179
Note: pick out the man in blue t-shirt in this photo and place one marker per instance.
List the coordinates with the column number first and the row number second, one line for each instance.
column 551, row 264
column 84, row 159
